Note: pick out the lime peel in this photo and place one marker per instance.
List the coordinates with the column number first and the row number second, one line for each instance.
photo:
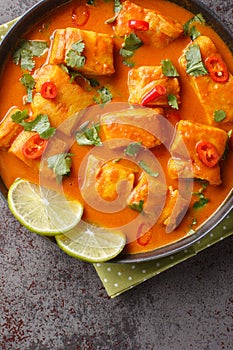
column 92, row 243
column 42, row 210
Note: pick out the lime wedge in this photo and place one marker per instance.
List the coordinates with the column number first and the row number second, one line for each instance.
column 42, row 210
column 91, row 243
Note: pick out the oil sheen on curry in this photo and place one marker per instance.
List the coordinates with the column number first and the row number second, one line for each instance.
column 134, row 101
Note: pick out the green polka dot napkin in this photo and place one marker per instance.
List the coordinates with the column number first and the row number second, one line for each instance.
column 118, row 278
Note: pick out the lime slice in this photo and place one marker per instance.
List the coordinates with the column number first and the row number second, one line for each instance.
column 91, row 243
column 42, row 210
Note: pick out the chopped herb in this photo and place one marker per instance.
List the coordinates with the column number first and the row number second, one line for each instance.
column 195, row 66
column 91, row 2
column 88, row 136
column 19, row 116
column 61, row 164
column 147, row 169
column 74, row 58
column 201, row 202
column 192, row 32
column 219, row 115
column 131, row 43
column 117, row 6
column 126, row 53
column 128, row 63
column 172, row 101
column 40, row 124
column 137, row 206
column 169, row 69
column 117, row 9
column 202, row 199
column 132, row 149
column 25, row 52
column 104, row 95
column 93, row 82
column 28, row 81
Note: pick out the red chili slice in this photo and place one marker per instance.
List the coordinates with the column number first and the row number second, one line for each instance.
column 153, row 94
column 207, row 153
column 48, row 90
column 138, row 25
column 217, row 69
column 34, row 147
column 80, row 15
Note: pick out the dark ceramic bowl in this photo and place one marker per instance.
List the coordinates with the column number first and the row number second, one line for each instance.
column 25, row 23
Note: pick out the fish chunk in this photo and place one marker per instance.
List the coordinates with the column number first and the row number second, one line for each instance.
column 98, row 50
column 113, row 180
column 213, row 96
column 186, row 163
column 162, row 29
column 70, row 99
column 143, row 79
column 140, row 125
column 9, row 130
column 174, row 210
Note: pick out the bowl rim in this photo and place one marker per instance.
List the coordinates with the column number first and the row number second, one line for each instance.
column 23, row 24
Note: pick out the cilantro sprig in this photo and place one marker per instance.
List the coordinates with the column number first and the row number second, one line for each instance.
column 219, row 115
column 130, row 45
column 195, row 66
column 60, row 164
column 28, row 82
column 202, row 201
column 104, row 95
column 74, row 59
column 25, row 52
column 88, row 136
column 147, row 169
column 137, row 206
column 172, row 101
column 40, row 124
column 132, row 149
column 191, row 31
column 168, row 69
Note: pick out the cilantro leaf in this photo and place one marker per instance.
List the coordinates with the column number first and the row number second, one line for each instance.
column 147, row 169
column 132, row 42
column 202, row 199
column 28, row 81
column 117, row 6
column 137, row 206
column 168, row 69
column 192, row 32
column 132, row 149
column 19, row 116
column 74, row 59
column 104, row 95
column 40, row 124
column 172, row 101
column 219, row 115
column 88, row 136
column 195, row 66
column 126, row 53
column 201, row 202
column 26, row 50
column 61, row 164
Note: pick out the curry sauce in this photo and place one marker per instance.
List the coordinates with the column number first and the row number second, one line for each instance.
column 122, row 59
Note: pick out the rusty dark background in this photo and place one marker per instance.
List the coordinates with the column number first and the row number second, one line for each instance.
column 49, row 301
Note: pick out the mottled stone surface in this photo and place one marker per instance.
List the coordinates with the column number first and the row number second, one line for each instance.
column 49, row 301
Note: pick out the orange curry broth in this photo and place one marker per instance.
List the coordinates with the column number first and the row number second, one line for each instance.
column 12, row 92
